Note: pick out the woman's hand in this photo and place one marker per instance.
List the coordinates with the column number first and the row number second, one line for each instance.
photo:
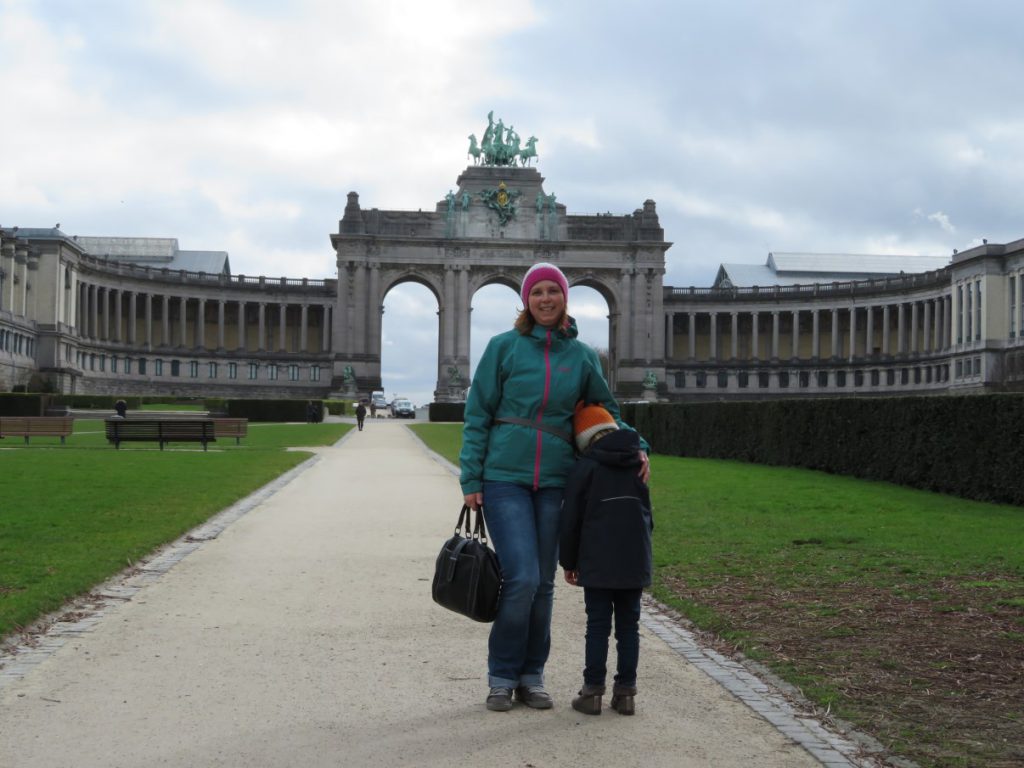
column 645, row 468
column 474, row 500
column 571, row 576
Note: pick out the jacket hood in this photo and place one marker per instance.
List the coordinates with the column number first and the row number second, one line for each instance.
column 621, row 448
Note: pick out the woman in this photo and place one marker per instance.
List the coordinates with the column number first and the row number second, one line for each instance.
column 516, row 455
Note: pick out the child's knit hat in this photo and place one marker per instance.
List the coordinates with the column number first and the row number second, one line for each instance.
column 543, row 271
column 587, row 421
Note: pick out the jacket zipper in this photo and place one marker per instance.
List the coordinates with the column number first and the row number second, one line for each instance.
column 540, row 412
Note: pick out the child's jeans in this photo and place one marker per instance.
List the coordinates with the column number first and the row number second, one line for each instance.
column 602, row 604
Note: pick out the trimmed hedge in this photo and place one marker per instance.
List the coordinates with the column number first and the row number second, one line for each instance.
column 970, row 446
column 20, row 404
column 336, row 407
column 273, row 410
column 102, row 402
column 446, row 411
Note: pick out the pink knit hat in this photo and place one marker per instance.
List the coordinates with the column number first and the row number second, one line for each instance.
column 543, row 271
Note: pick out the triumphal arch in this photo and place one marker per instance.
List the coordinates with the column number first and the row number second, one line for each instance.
column 496, row 222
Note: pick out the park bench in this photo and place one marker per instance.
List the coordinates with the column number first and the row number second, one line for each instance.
column 160, row 431
column 36, row 426
column 236, row 428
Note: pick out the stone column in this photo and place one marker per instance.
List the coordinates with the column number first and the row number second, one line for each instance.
column 118, row 321
column 670, row 335
column 220, row 325
column 815, row 334
column 853, row 333
column 775, row 335
column 446, row 322
column 94, row 308
column 714, row 336
column 796, row 335
column 201, row 325
column 304, row 328
column 912, row 346
column 692, row 337
column 149, row 321
column 327, row 337
column 165, row 321
column 282, row 343
column 463, row 323
column 926, row 325
column 835, row 333
column 241, row 326
column 261, row 339
column 901, row 324
column 735, row 337
column 624, row 342
column 640, row 317
column 133, row 313
column 869, row 343
column 754, row 340
column 183, row 321
column 886, row 319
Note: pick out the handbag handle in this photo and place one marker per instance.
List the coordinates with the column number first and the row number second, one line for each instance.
column 470, row 529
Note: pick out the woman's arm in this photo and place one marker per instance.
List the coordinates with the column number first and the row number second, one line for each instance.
column 481, row 405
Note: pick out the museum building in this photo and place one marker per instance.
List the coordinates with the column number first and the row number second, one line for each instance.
column 123, row 315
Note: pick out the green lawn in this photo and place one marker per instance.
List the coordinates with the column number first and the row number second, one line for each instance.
column 76, row 514
column 868, row 596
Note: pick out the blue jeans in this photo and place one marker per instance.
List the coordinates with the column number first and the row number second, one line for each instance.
column 601, row 604
column 523, row 526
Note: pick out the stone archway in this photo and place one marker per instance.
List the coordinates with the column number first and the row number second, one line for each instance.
column 457, row 248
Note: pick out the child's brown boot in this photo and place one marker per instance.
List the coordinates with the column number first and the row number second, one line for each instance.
column 589, row 700
column 622, row 699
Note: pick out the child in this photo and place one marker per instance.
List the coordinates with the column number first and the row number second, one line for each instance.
column 606, row 549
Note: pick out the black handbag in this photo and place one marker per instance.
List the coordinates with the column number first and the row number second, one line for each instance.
column 467, row 576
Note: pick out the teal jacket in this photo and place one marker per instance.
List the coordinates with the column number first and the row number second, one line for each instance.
column 541, row 377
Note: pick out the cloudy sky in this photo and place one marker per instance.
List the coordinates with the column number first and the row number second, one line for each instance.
column 849, row 126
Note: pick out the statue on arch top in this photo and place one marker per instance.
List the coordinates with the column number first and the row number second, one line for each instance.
column 501, row 146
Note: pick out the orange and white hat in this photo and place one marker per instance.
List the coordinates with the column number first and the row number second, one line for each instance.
column 587, row 421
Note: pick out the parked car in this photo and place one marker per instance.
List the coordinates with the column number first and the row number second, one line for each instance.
column 402, row 409
column 379, row 402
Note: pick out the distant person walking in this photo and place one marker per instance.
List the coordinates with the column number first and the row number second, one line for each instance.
column 606, row 549
column 360, row 415
column 517, row 452
column 373, row 409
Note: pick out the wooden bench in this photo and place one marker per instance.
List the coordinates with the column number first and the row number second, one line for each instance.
column 236, row 428
column 160, row 431
column 36, row 426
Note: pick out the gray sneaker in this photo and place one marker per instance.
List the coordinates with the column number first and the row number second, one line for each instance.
column 534, row 696
column 499, row 699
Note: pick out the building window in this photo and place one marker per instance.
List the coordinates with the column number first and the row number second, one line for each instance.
column 293, row 373
column 917, row 375
column 743, row 379
column 193, row 368
column 875, row 378
column 142, row 366
column 158, row 367
column 211, row 370
column 783, row 379
column 103, row 362
column 92, row 362
column 822, row 379
column 858, row 378
column 232, row 370
column 680, row 380
column 969, row 313
column 890, row 377
column 904, row 376
column 113, row 364
column 254, row 370
column 928, row 374
column 723, row 380
column 175, row 368
column 977, row 366
column 272, row 372
column 127, row 365
column 763, row 380
column 840, row 378
column 314, row 373
column 959, row 369
column 702, row 380
column 804, row 379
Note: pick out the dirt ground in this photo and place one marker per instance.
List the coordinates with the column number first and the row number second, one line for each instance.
column 934, row 671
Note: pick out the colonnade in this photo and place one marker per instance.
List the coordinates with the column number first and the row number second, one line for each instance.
column 917, row 326
column 15, row 262
column 129, row 317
